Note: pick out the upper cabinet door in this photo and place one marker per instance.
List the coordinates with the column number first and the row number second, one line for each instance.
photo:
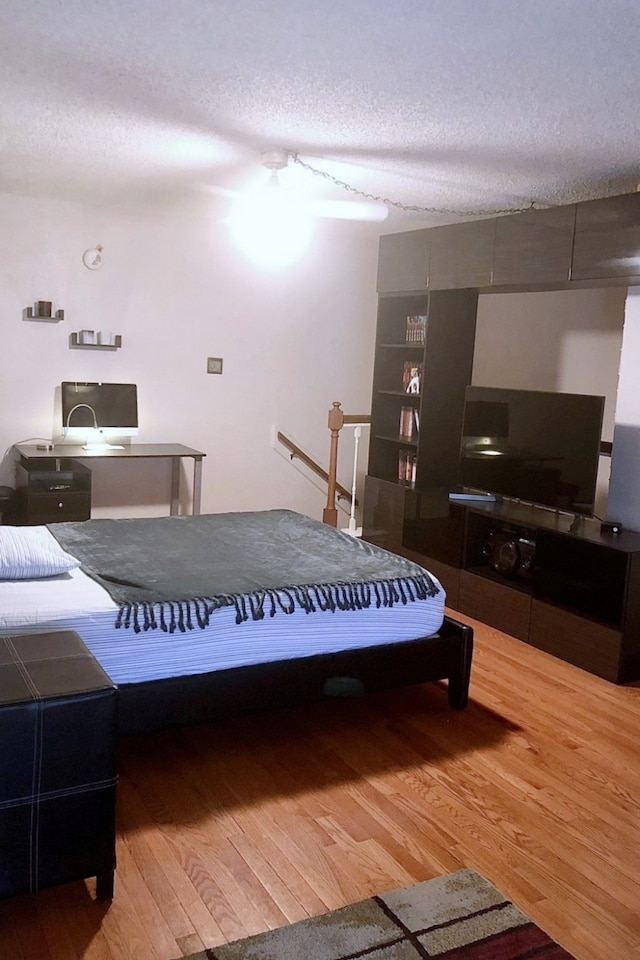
column 534, row 247
column 403, row 261
column 461, row 255
column 607, row 238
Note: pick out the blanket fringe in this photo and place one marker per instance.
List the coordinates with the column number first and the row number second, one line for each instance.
column 183, row 615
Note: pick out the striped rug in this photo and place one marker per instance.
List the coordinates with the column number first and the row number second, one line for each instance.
column 457, row 917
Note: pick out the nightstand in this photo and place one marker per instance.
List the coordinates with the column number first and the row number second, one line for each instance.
column 52, row 489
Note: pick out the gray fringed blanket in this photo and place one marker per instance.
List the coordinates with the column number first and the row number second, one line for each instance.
column 172, row 572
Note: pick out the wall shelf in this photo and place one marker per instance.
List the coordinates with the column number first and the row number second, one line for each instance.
column 30, row 314
column 75, row 344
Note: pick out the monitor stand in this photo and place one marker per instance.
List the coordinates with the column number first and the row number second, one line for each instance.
column 101, row 447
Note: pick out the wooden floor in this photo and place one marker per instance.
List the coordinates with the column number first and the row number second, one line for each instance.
column 228, row 830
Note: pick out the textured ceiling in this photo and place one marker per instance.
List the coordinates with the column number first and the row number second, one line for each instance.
column 469, row 105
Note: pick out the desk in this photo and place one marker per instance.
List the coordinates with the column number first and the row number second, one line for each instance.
column 175, row 452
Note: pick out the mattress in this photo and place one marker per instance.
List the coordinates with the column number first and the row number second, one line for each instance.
column 74, row 601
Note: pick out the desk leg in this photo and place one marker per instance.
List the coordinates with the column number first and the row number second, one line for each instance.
column 197, row 485
column 175, row 487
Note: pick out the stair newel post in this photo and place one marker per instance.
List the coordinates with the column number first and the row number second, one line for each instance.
column 335, row 423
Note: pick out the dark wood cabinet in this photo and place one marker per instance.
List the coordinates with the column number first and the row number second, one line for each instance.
column 52, row 490
column 386, row 504
column 574, row 591
column 461, row 255
column 392, row 518
column 415, row 435
column 534, row 248
column 576, row 639
column 607, row 238
column 568, row 588
column 537, row 249
column 403, row 261
column 496, row 604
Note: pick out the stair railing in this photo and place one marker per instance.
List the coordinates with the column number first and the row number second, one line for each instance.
column 297, row 453
column 336, row 420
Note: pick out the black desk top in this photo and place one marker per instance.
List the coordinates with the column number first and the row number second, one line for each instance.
column 133, row 450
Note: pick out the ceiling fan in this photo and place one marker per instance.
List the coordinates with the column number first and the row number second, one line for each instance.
column 276, row 160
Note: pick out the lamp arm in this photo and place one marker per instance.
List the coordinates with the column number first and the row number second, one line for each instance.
column 88, row 407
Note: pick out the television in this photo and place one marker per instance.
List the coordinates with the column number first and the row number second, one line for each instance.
column 538, row 447
column 97, row 413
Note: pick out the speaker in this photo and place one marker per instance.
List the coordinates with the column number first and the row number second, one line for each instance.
column 510, row 551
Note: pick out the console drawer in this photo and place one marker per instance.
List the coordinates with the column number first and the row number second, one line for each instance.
column 52, row 507
column 497, row 604
column 577, row 640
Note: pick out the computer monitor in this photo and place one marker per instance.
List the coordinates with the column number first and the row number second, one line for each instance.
column 98, row 413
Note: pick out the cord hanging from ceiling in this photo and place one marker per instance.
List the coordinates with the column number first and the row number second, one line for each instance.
column 396, row 204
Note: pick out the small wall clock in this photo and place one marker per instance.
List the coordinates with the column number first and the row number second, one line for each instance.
column 92, row 258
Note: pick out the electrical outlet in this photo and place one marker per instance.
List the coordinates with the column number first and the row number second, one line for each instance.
column 214, row 364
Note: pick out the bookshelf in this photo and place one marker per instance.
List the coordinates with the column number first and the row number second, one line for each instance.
column 423, row 357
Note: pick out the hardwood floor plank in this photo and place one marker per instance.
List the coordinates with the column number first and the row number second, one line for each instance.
column 285, row 859
column 20, row 933
column 288, row 907
column 191, row 944
column 179, row 885
column 82, row 937
column 157, row 873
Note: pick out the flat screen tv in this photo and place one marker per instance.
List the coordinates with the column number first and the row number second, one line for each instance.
column 529, row 445
column 99, row 412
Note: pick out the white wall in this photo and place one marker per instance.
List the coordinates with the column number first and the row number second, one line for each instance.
column 624, row 490
column 563, row 341
column 177, row 292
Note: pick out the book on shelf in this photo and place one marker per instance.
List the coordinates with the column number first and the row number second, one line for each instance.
column 416, row 327
column 407, row 464
column 412, row 376
column 409, row 423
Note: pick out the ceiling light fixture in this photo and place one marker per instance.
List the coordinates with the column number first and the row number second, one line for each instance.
column 267, row 223
column 275, row 160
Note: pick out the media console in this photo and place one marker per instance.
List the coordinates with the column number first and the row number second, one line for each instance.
column 551, row 579
column 53, row 484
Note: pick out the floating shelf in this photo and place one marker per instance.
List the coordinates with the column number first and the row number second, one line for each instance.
column 75, row 344
column 30, row 314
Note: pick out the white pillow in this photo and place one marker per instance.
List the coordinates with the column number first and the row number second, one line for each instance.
column 29, row 553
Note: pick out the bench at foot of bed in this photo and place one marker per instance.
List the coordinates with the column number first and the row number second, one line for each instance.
column 57, row 753
column 180, row 701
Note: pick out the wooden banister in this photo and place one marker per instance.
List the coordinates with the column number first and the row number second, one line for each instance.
column 336, row 421
column 306, row 459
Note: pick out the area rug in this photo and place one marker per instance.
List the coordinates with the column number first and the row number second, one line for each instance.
column 457, row 917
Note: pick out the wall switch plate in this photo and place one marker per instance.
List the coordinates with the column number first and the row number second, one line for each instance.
column 214, row 364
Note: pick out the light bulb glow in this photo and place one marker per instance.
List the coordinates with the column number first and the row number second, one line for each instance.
column 270, row 227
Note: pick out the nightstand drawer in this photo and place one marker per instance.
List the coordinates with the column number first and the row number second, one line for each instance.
column 51, row 507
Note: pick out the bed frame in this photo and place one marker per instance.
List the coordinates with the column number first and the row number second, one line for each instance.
column 181, row 701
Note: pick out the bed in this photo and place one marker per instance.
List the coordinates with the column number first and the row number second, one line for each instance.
column 198, row 618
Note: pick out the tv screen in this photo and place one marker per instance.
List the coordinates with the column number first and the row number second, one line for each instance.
column 531, row 445
column 111, row 408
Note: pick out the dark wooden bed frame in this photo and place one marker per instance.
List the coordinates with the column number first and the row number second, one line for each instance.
column 181, row 701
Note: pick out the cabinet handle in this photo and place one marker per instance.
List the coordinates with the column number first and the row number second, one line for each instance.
column 61, row 505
